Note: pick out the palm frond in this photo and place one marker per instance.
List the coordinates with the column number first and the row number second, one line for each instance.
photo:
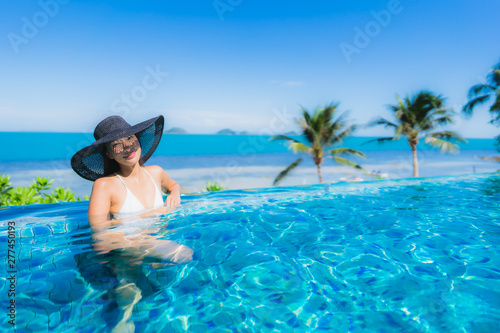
column 305, row 124
column 416, row 116
column 447, row 135
column 438, row 122
column 494, row 76
column 337, row 139
column 345, row 161
column 480, row 89
column 495, row 121
column 467, row 109
column 322, row 128
column 346, row 151
column 306, row 115
column 481, row 93
column 445, row 146
column 497, row 142
column 401, row 129
column 331, row 133
column 379, row 141
column 328, row 112
column 296, row 145
column 299, row 147
column 381, row 121
column 340, row 121
column 282, row 137
column 496, row 105
column 285, row 172
column 402, row 104
column 441, row 111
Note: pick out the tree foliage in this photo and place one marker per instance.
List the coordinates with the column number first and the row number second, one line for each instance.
column 321, row 130
column 33, row 194
column 417, row 118
column 485, row 92
column 213, row 186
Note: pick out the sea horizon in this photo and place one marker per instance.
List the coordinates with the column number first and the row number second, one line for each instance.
column 47, row 146
column 235, row 161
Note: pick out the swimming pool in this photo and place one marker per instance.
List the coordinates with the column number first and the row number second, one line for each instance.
column 406, row 255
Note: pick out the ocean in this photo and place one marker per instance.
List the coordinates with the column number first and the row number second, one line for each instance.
column 235, row 161
column 31, row 146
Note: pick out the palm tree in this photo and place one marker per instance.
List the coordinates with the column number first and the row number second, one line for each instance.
column 416, row 118
column 321, row 132
column 483, row 92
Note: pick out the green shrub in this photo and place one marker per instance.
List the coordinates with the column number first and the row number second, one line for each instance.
column 22, row 195
column 210, row 187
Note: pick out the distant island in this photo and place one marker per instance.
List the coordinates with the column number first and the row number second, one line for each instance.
column 176, row 130
column 227, row 131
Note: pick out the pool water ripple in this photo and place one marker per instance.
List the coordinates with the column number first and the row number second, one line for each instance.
column 409, row 255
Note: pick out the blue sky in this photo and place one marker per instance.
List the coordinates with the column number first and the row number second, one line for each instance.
column 240, row 64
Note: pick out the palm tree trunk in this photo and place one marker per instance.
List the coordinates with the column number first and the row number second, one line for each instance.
column 415, row 160
column 319, row 172
column 318, row 160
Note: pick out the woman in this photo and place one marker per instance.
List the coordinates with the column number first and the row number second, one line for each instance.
column 124, row 189
column 123, row 194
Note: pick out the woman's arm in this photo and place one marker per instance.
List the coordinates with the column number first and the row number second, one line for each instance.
column 174, row 198
column 99, row 204
column 100, row 219
column 168, row 185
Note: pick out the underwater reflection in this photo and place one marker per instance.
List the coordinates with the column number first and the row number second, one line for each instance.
column 119, row 266
column 491, row 186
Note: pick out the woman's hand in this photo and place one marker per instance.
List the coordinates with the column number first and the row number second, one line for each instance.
column 158, row 211
column 174, row 198
column 163, row 210
column 169, row 186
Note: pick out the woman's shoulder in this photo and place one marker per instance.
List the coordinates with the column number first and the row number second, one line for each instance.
column 104, row 188
column 154, row 169
column 106, row 181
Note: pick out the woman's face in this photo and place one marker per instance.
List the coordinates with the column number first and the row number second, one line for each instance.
column 125, row 150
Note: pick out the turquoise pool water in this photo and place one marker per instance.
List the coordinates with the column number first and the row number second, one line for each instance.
column 408, row 255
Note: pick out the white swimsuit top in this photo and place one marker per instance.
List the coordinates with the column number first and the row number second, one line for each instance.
column 132, row 206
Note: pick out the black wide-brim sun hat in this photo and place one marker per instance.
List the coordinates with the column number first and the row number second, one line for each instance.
column 92, row 162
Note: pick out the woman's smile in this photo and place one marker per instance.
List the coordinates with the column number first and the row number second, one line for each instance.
column 131, row 155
